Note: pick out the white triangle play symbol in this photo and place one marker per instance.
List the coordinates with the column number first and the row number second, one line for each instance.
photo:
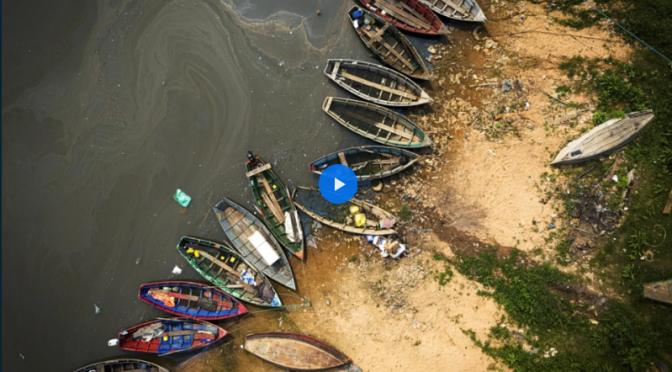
column 338, row 184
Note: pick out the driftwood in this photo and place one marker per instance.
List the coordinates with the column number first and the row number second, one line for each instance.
column 668, row 206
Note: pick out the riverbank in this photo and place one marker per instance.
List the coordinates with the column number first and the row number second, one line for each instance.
column 487, row 190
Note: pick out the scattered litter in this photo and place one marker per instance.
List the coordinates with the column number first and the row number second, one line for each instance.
column 551, row 226
column 311, row 241
column 527, row 106
column 96, row 309
column 137, row 260
column 492, row 152
column 247, row 278
column 182, row 198
column 386, row 246
column 431, row 49
column 282, row 63
column 113, row 342
column 615, row 178
column 318, row 13
column 506, row 86
column 328, row 302
column 177, row 270
column 593, row 321
column 22, row 357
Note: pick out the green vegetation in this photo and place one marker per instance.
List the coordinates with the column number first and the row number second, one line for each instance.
column 443, row 277
column 405, row 213
column 538, row 298
column 630, row 332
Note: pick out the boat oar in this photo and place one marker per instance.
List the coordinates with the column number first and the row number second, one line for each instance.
column 229, row 269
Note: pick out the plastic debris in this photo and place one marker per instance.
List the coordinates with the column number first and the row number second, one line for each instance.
column 113, row 342
column 247, row 278
column 615, row 178
column 492, row 152
column 386, row 246
column 182, row 198
column 551, row 226
column 431, row 49
column 96, row 309
column 311, row 241
column 177, row 270
column 506, row 86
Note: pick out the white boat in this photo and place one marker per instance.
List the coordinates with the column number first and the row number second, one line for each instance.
column 604, row 139
column 462, row 10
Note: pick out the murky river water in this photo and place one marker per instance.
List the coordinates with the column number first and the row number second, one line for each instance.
column 107, row 108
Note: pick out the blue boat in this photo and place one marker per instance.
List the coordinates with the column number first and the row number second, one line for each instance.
column 193, row 300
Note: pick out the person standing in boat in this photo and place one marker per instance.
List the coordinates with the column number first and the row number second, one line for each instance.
column 251, row 159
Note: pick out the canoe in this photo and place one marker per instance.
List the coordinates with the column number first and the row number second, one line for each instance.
column 659, row 291
column 604, row 139
column 373, row 213
column 461, row 10
column 169, row 336
column 376, row 83
column 376, row 123
column 252, row 239
column 229, row 271
column 368, row 162
column 388, row 43
column 273, row 203
column 193, row 300
column 120, row 365
column 408, row 15
column 294, row 351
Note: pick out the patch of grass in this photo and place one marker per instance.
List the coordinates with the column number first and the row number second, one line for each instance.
column 563, row 255
column 353, row 258
column 405, row 213
column 417, row 343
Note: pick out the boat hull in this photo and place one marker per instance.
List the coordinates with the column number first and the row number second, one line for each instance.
column 239, row 225
column 294, row 351
column 376, row 123
column 184, row 305
column 125, row 364
column 204, row 334
column 469, row 11
column 405, row 15
column 368, row 155
column 386, row 42
column 260, row 292
column 376, row 83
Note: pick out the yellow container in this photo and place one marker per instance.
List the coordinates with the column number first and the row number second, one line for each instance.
column 354, row 209
column 360, row 219
column 196, row 254
column 190, row 250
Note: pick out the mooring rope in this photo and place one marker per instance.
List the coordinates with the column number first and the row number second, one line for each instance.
column 629, row 33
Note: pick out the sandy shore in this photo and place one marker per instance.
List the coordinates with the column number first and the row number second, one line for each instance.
column 482, row 184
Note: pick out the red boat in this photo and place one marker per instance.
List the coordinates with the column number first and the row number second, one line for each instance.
column 193, row 300
column 408, row 15
column 169, row 336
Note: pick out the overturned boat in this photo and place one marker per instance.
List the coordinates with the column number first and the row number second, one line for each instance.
column 461, row 10
column 604, row 139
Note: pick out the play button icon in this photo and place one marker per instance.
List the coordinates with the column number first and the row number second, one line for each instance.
column 338, row 184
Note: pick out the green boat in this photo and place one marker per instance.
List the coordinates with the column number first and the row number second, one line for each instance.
column 376, row 123
column 229, row 271
column 273, row 203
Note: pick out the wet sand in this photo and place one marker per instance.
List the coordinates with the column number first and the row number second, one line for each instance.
column 109, row 107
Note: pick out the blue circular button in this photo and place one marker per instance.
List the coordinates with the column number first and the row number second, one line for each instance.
column 338, row 184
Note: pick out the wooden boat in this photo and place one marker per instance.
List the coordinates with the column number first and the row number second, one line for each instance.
column 659, row 291
column 375, row 217
column 254, row 242
column 376, row 123
column 408, row 15
column 193, row 300
column 229, row 271
column 461, row 10
column 604, row 139
column 169, row 336
column 294, row 351
column 368, row 162
column 122, row 365
column 274, row 205
column 388, row 43
column 376, row 83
